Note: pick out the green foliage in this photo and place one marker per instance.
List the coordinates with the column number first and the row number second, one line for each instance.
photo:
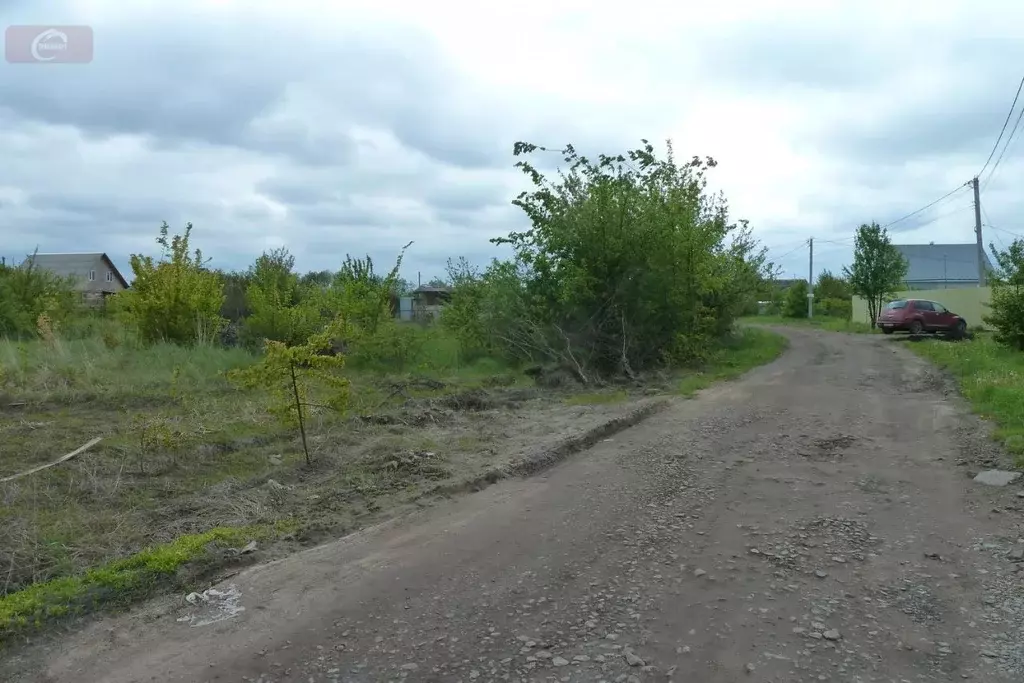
column 320, row 279
column 794, row 304
column 833, row 296
column 878, row 267
column 628, row 264
column 831, row 286
column 361, row 300
column 1007, row 301
column 990, row 375
column 234, row 308
column 395, row 346
column 487, row 310
column 286, row 373
column 741, row 351
column 834, row 308
column 281, row 309
column 27, row 292
column 176, row 299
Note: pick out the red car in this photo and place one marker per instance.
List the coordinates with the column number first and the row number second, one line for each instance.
column 919, row 315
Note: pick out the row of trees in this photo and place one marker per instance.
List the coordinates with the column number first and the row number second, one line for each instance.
column 177, row 298
column 629, row 262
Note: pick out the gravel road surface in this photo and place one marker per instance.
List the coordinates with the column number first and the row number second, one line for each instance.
column 813, row 521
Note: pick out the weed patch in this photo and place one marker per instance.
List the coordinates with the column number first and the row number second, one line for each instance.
column 991, row 378
column 115, row 583
column 819, row 322
column 747, row 349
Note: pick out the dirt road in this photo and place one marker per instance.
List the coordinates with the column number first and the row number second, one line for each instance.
column 813, row 521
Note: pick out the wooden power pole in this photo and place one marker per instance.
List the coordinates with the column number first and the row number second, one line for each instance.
column 977, row 232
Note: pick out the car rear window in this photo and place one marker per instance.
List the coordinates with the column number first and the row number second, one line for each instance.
column 896, row 304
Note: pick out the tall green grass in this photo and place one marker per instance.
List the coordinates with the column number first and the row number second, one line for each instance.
column 744, row 351
column 68, row 369
column 820, row 322
column 991, row 378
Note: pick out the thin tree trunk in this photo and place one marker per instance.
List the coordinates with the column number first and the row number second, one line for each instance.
column 298, row 410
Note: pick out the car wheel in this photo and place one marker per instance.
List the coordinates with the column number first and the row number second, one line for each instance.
column 916, row 327
column 960, row 330
column 886, row 330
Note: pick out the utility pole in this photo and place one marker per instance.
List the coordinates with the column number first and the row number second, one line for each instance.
column 977, row 232
column 810, row 280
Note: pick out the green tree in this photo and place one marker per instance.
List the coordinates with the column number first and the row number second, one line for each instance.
column 878, row 267
column 281, row 309
column 362, row 297
column 175, row 299
column 234, row 308
column 795, row 302
column 289, row 373
column 1007, row 301
column 831, row 286
column 28, row 292
column 833, row 296
column 627, row 264
column 317, row 278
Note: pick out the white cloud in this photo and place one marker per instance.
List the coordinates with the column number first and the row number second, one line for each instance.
column 356, row 126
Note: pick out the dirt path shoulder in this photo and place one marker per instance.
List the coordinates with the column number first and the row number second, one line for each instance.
column 811, row 522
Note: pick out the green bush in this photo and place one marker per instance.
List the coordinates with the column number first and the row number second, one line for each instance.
column 794, row 304
column 629, row 263
column 28, row 292
column 280, row 309
column 396, row 346
column 1007, row 301
column 835, row 308
column 176, row 299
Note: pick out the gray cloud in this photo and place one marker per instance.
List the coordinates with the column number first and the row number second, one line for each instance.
column 357, row 139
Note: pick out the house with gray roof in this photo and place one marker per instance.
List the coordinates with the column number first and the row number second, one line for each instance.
column 94, row 274
column 942, row 266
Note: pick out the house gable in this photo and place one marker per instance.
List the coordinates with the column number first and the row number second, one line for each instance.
column 89, row 270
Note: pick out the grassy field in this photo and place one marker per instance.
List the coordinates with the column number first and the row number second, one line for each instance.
column 819, row 322
column 190, row 468
column 991, row 378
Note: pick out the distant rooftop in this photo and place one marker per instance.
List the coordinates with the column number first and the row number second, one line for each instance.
column 942, row 262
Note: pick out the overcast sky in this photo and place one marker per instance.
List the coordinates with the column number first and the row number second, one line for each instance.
column 353, row 127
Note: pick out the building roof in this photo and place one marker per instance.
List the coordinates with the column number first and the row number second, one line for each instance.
column 65, row 264
column 942, row 262
column 427, row 289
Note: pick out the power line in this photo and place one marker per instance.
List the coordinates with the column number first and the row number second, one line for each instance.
column 1008, row 232
column 845, row 242
column 927, row 206
column 791, row 251
column 786, row 244
column 1005, row 123
column 942, row 215
column 1006, row 146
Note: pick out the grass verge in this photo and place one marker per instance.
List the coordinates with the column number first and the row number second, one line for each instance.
column 991, row 378
column 748, row 348
column 119, row 582
column 819, row 322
